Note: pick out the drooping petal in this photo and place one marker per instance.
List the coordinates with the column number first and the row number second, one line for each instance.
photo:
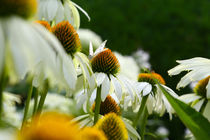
column 198, row 105
column 206, row 112
column 105, row 87
column 60, row 13
column 100, row 78
column 208, row 90
column 189, row 98
column 51, row 9
column 83, row 11
column 117, row 87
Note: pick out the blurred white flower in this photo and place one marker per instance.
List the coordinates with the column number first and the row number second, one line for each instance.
column 7, row 134
column 142, row 59
column 60, row 10
column 86, row 35
column 128, row 66
column 10, row 114
column 162, row 131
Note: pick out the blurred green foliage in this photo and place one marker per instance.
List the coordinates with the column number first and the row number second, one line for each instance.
column 168, row 29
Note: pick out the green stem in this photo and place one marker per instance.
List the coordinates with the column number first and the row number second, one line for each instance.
column 143, row 122
column 143, row 103
column 36, row 97
column 97, row 104
column 27, row 104
column 43, row 97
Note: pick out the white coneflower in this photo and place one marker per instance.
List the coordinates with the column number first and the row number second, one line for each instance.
column 152, row 94
column 199, row 99
column 60, row 10
column 198, row 69
column 70, row 41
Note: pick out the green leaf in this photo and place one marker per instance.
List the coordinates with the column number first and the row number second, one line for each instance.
column 198, row 125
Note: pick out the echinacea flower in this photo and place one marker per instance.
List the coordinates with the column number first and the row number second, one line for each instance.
column 29, row 49
column 106, row 67
column 60, row 10
column 107, row 106
column 198, row 69
column 70, row 41
column 199, row 99
column 113, row 127
column 156, row 99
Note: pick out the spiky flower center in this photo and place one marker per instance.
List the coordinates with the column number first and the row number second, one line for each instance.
column 105, row 62
column 150, row 78
column 68, row 37
column 90, row 133
column 51, row 126
column 200, row 87
column 45, row 24
column 108, row 106
column 22, row 8
column 113, row 127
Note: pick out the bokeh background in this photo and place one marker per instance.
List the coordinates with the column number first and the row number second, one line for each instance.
column 168, row 30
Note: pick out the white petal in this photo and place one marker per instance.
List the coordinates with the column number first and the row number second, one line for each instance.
column 208, row 90
column 74, row 14
column 117, row 87
column 198, row 105
column 60, row 13
column 52, row 9
column 100, row 48
column 188, row 98
column 91, row 49
column 206, row 112
column 100, row 78
column 105, row 87
column 69, row 72
column 81, row 10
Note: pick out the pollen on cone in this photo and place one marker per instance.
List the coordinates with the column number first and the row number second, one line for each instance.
column 149, row 77
column 113, row 127
column 68, row 37
column 107, row 106
column 105, row 62
column 200, row 87
column 45, row 24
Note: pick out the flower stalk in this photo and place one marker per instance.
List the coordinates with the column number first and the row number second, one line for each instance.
column 43, row 97
column 27, row 104
column 36, row 97
column 143, row 122
column 141, row 109
column 97, row 104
